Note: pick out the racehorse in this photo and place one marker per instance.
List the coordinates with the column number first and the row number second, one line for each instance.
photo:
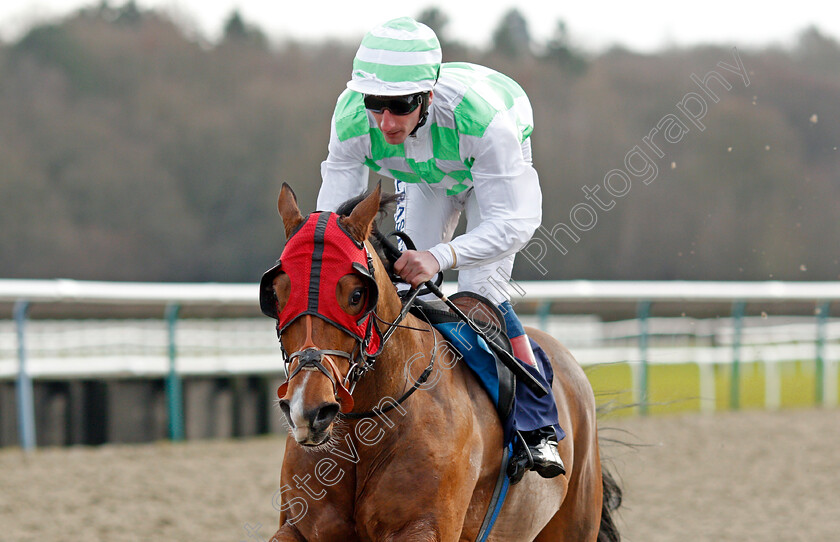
column 423, row 469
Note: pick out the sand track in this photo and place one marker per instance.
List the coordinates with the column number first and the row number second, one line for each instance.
column 728, row 477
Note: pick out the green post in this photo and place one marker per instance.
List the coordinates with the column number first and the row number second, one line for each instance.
column 822, row 319
column 643, row 312
column 543, row 312
column 175, row 403
column 737, row 325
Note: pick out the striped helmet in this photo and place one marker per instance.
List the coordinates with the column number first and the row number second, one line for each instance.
column 397, row 58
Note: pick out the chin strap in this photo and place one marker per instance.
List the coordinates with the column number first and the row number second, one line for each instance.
column 424, row 113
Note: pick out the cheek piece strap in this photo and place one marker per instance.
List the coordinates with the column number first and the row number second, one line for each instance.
column 311, row 358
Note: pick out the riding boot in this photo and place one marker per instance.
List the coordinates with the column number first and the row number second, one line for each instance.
column 536, row 451
column 542, row 444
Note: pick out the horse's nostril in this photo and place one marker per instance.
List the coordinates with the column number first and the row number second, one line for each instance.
column 287, row 411
column 324, row 416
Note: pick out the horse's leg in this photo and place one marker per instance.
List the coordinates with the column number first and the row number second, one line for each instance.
column 578, row 518
column 435, row 516
column 419, row 531
column 425, row 496
column 287, row 533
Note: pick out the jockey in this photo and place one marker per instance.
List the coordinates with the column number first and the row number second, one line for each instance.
column 456, row 138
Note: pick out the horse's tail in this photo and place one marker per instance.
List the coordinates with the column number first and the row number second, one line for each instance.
column 608, row 532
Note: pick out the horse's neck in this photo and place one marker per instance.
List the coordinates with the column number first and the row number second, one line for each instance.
column 401, row 362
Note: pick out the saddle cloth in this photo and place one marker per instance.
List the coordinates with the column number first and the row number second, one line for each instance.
column 517, row 406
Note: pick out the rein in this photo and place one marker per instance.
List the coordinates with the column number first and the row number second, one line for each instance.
column 424, row 376
column 310, row 357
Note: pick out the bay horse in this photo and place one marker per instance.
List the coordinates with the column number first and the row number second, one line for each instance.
column 426, row 469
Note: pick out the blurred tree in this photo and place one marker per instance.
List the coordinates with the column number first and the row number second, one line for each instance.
column 559, row 49
column 55, row 46
column 813, row 42
column 817, row 51
column 129, row 14
column 511, row 37
column 236, row 30
column 136, row 152
column 436, row 19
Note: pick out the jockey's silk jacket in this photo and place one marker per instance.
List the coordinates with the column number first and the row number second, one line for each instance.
column 476, row 137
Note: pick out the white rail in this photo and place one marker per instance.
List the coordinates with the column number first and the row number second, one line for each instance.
column 144, row 293
column 174, row 351
column 80, row 291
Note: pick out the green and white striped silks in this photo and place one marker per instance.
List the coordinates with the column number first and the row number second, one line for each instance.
column 397, row 58
column 468, row 100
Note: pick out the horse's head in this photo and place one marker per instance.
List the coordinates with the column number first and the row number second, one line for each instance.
column 322, row 293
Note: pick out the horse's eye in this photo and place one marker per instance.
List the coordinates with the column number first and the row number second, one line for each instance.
column 356, row 297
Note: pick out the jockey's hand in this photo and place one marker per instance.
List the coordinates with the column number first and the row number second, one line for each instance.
column 416, row 267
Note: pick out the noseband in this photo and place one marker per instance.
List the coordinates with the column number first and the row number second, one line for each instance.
column 318, row 253
column 310, row 358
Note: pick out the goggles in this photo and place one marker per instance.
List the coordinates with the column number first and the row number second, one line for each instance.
column 397, row 105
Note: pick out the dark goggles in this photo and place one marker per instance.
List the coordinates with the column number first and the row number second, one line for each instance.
column 397, row 105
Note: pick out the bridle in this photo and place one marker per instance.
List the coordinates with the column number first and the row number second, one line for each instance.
column 310, row 356
column 370, row 341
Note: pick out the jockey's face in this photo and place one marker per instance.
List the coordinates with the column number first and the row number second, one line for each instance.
column 397, row 128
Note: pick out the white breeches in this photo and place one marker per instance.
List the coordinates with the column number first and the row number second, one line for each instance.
column 430, row 217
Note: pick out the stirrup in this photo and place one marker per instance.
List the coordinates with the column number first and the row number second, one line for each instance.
column 520, row 462
column 540, row 456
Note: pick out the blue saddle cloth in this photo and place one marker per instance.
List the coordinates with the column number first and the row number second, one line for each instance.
column 528, row 412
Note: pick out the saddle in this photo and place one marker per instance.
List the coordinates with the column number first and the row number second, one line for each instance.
column 498, row 381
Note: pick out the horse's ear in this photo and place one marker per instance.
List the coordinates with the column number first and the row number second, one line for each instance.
column 288, row 208
column 360, row 222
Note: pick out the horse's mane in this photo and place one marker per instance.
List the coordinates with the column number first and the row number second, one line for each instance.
column 386, row 205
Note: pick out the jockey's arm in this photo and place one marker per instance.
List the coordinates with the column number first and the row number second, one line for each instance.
column 343, row 173
column 507, row 191
column 416, row 266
